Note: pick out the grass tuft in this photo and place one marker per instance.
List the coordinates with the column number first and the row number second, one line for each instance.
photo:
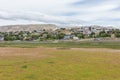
column 24, row 66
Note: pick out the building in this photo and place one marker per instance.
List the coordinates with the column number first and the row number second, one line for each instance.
column 1, row 38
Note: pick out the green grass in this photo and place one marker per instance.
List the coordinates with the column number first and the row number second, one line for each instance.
column 113, row 45
column 62, row 65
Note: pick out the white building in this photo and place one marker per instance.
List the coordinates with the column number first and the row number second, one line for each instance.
column 1, row 38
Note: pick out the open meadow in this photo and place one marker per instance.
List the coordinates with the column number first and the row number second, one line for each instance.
column 20, row 61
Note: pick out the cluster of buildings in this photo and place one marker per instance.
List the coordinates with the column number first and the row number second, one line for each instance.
column 88, row 29
column 68, row 31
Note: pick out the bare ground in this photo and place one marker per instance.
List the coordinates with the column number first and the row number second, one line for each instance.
column 31, row 52
column 42, row 52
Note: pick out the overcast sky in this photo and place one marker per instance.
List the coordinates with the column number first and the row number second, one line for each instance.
column 60, row 12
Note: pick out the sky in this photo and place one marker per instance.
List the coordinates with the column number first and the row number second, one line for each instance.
column 60, row 12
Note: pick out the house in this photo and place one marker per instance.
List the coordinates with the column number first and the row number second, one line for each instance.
column 1, row 38
column 75, row 38
column 67, row 37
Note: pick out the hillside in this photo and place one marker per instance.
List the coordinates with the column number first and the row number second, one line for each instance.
column 32, row 27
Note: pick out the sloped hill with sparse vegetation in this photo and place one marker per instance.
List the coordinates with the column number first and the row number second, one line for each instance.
column 30, row 27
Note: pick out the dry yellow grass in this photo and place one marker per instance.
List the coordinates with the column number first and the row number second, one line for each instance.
column 59, row 64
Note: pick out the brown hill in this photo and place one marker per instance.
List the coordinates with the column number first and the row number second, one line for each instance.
column 30, row 27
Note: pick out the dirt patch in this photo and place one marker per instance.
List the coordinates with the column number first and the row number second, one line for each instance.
column 31, row 52
column 43, row 52
column 63, row 48
column 97, row 49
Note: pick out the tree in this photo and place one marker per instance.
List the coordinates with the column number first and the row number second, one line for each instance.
column 8, row 38
column 34, row 37
column 60, row 35
column 79, row 35
column 117, row 33
column 92, row 35
column 104, row 34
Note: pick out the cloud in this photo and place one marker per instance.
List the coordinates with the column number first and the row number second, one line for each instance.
column 37, row 17
column 60, row 12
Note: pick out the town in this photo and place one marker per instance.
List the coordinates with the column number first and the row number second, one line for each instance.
column 68, row 33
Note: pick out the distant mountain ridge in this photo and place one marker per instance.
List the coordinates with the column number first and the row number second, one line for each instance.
column 29, row 27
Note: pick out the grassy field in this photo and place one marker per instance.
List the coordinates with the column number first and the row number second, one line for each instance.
column 113, row 45
column 73, row 61
column 59, row 64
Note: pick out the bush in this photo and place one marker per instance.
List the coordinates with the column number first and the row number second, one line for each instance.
column 24, row 66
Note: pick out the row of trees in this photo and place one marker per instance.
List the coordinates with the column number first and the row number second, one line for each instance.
column 101, row 34
column 30, row 36
column 54, row 36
